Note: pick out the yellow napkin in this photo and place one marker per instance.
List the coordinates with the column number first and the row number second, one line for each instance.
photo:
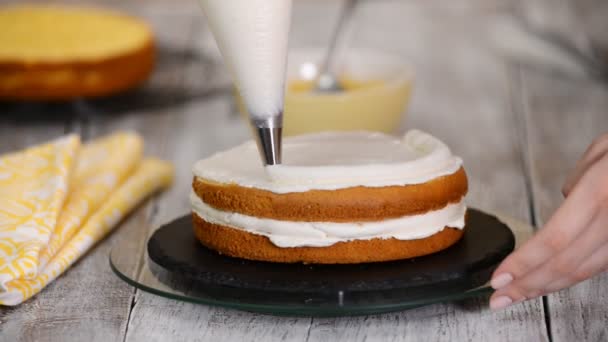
column 58, row 199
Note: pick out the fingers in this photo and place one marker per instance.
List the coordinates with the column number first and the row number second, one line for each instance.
column 566, row 265
column 597, row 150
column 593, row 265
column 573, row 234
column 563, row 228
column 567, row 223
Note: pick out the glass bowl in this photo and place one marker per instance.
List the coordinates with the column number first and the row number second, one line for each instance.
column 378, row 89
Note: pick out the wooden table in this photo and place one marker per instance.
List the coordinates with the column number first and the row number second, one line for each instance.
column 519, row 131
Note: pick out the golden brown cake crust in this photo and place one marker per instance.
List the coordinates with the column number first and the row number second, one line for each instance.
column 357, row 204
column 67, row 80
column 241, row 244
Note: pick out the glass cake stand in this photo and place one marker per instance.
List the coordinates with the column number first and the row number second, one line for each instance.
column 154, row 278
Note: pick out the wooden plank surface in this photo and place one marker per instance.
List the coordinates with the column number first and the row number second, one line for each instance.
column 464, row 94
column 155, row 318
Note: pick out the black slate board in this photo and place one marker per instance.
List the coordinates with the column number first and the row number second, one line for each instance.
column 467, row 264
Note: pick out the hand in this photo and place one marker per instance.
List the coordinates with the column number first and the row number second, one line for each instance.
column 573, row 244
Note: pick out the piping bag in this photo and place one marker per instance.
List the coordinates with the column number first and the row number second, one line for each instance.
column 252, row 36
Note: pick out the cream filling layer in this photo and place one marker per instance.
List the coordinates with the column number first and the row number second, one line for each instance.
column 322, row 234
column 335, row 160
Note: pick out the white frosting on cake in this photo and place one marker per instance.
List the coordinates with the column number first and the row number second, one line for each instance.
column 335, row 160
column 323, row 234
column 252, row 36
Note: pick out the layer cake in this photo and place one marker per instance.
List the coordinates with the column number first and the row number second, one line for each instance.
column 339, row 197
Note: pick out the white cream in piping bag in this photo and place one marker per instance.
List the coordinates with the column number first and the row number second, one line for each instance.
column 321, row 234
column 332, row 160
column 252, row 36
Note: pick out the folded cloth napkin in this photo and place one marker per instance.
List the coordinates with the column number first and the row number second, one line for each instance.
column 58, row 199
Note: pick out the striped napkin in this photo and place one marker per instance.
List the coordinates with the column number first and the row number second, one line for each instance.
column 60, row 198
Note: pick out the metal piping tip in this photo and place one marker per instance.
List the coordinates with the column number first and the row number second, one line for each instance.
column 268, row 133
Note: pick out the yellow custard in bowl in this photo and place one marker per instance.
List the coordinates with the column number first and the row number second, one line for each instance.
column 377, row 87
